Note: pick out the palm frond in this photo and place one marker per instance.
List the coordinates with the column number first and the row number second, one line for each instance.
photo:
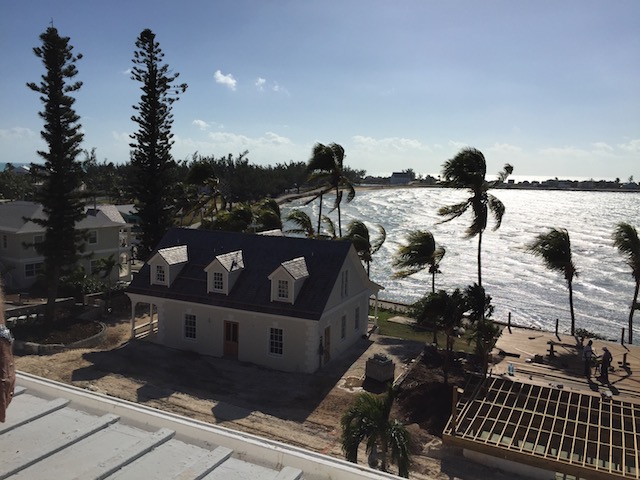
column 415, row 255
column 625, row 239
column 497, row 209
column 452, row 212
column 554, row 248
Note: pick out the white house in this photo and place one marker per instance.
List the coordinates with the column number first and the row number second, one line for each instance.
column 108, row 234
column 290, row 304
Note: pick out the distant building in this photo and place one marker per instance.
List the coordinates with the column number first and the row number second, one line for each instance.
column 20, row 264
column 400, row 178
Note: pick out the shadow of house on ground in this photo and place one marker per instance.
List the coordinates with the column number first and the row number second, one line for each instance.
column 238, row 386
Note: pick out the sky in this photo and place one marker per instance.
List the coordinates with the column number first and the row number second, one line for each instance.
column 550, row 86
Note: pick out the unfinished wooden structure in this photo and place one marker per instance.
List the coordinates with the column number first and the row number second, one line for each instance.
column 576, row 433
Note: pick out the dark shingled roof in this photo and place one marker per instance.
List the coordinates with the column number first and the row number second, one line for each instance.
column 262, row 255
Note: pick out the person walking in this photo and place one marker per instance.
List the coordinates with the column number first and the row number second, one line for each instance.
column 587, row 356
column 7, row 367
column 607, row 359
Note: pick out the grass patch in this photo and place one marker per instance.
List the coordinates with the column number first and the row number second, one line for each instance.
column 415, row 332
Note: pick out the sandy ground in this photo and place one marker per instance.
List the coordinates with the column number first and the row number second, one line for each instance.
column 297, row 409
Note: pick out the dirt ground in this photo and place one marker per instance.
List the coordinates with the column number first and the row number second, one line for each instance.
column 297, row 409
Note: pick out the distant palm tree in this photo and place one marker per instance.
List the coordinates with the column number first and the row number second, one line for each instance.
column 484, row 332
column 302, row 222
column 420, row 252
column 554, row 247
column 367, row 420
column 358, row 233
column 326, row 167
column 467, row 170
column 625, row 239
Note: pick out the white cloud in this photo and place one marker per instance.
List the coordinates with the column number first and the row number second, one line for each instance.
column 454, row 144
column 603, row 147
column 226, row 80
column 391, row 143
column 201, row 124
column 16, row 133
column 260, row 83
column 566, row 152
column 505, row 148
column 279, row 89
column 631, row 146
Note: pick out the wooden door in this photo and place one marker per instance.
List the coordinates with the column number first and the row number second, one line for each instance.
column 327, row 344
column 231, row 339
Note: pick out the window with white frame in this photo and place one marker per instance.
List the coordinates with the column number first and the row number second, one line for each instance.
column 38, row 239
column 32, row 269
column 344, row 284
column 92, row 239
column 283, row 289
column 218, row 281
column 189, row 326
column 357, row 318
column 276, row 341
column 160, row 274
column 343, row 327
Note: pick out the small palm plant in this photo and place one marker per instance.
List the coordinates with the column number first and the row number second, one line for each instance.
column 358, row 233
column 367, row 420
column 625, row 239
column 554, row 248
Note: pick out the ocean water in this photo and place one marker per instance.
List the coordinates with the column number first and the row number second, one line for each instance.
column 517, row 281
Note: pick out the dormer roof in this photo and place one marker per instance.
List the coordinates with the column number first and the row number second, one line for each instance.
column 297, row 268
column 231, row 261
column 174, row 255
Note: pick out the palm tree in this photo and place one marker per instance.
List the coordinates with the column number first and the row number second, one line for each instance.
column 484, row 332
column 368, row 420
column 359, row 235
column 420, row 252
column 467, row 170
column 326, row 167
column 625, row 239
column 302, row 222
column 554, row 247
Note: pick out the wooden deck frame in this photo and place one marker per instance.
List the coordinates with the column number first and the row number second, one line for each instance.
column 566, row 431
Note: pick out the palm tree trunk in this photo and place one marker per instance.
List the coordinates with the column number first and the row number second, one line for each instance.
column 480, row 259
column 573, row 316
column 319, row 215
column 633, row 307
column 339, row 215
column 433, row 282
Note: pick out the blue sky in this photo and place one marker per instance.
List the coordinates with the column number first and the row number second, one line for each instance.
column 550, row 86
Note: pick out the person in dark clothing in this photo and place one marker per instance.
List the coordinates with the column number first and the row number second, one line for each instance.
column 606, row 364
column 587, row 356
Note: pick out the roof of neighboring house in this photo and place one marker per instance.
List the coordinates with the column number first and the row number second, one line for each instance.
column 14, row 217
column 262, row 255
column 59, row 431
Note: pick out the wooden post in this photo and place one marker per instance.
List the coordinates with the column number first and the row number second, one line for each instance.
column 454, row 409
column 509, row 322
column 622, row 337
column 557, row 325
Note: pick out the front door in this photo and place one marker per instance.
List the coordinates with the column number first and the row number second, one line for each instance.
column 231, row 339
column 327, row 344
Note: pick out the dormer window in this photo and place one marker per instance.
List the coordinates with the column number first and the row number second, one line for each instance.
column 160, row 274
column 223, row 272
column 287, row 280
column 218, row 281
column 283, row 289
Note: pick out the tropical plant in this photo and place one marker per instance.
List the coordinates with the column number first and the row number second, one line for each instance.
column 467, row 170
column 250, row 218
column 484, row 332
column 554, row 248
column 420, row 252
column 367, row 420
column 326, row 168
column 625, row 239
column 302, row 224
column 61, row 175
column 153, row 168
column 359, row 235
column 445, row 312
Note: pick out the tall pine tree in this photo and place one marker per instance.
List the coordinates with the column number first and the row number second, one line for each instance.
column 61, row 175
column 154, row 169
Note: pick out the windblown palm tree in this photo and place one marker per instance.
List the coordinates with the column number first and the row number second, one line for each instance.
column 358, row 233
column 554, row 247
column 302, row 222
column 326, row 167
column 467, row 170
column 420, row 252
column 367, row 420
column 625, row 239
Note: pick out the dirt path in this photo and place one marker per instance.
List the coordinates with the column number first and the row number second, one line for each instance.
column 297, row 409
